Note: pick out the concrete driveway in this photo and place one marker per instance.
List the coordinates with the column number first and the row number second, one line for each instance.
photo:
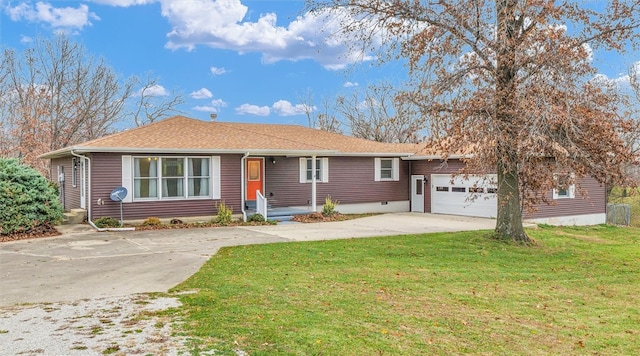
column 86, row 264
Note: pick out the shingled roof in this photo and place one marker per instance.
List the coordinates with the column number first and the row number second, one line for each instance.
column 185, row 135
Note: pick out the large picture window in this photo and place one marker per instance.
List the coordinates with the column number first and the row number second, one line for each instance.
column 171, row 177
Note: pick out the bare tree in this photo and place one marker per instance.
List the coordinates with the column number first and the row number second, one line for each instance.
column 510, row 81
column 152, row 102
column 323, row 118
column 55, row 95
column 380, row 115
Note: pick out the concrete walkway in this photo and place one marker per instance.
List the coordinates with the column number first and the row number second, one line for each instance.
column 86, row 264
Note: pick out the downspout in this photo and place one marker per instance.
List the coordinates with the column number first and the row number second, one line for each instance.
column 313, row 183
column 243, row 187
column 88, row 197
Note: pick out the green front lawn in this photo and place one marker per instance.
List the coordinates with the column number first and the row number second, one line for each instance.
column 576, row 292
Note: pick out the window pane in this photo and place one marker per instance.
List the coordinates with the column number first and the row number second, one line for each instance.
column 419, row 184
column 172, row 187
column 145, row 188
column 172, row 167
column 254, row 170
column 198, row 167
column 145, row 177
column 198, row 187
column 146, row 167
column 318, row 169
column 386, row 168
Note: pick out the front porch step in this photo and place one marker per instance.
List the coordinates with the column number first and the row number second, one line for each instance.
column 74, row 216
column 281, row 214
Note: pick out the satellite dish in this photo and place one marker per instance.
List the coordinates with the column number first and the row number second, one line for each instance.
column 118, row 194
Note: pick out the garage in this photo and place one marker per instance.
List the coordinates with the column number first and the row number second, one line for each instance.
column 474, row 196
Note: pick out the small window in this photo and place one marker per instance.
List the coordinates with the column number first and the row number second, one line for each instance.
column 459, row 189
column 387, row 169
column 492, row 190
column 254, row 170
column 321, row 173
column 477, row 190
column 442, row 189
column 565, row 189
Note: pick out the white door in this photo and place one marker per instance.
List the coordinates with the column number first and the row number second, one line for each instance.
column 417, row 193
column 475, row 196
column 83, row 185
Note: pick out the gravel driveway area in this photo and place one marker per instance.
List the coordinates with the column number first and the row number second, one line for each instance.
column 115, row 325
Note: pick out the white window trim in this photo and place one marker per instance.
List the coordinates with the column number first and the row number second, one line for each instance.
column 395, row 169
column 571, row 189
column 324, row 170
column 128, row 178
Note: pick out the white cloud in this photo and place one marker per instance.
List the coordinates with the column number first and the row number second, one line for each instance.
column 26, row 39
column 350, row 84
column 217, row 71
column 203, row 93
column 285, row 108
column 249, row 109
column 221, row 24
column 124, row 3
column 61, row 17
column 215, row 106
column 155, row 90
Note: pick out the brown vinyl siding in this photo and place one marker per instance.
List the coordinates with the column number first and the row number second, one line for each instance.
column 107, row 175
column 71, row 198
column 593, row 202
column 351, row 180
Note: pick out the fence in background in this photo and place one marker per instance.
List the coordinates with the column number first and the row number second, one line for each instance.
column 619, row 214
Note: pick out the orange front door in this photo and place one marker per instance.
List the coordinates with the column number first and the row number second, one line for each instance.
column 254, row 177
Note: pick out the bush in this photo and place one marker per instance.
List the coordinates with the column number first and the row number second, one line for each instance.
column 107, row 221
column 27, row 199
column 255, row 218
column 225, row 214
column 329, row 207
column 152, row 221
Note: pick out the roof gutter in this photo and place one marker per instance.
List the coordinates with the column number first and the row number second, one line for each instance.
column 243, row 183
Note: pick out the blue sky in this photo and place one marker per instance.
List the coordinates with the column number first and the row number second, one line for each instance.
column 249, row 61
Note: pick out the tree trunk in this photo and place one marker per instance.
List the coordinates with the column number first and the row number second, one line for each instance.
column 509, row 221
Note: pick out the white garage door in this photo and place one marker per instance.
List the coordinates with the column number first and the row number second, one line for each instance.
column 474, row 196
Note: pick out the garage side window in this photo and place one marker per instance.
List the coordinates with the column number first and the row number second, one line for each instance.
column 565, row 187
column 387, row 169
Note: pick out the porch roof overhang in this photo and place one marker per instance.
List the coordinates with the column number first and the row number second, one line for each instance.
column 67, row 151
